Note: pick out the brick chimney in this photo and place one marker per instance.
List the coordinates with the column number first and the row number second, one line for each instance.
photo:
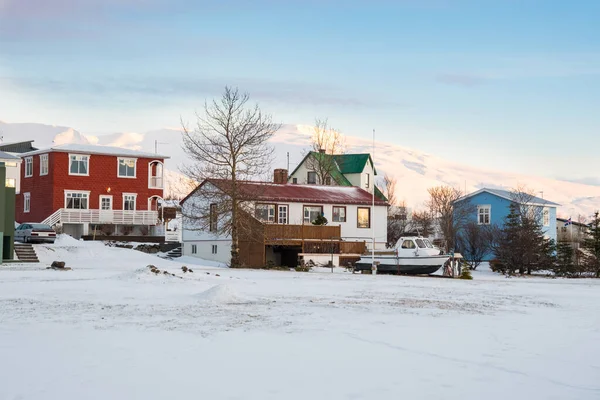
column 322, row 151
column 280, row 176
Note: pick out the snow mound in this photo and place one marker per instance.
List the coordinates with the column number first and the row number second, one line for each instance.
column 64, row 240
column 221, row 294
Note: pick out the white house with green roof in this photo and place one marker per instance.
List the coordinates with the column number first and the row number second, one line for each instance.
column 318, row 168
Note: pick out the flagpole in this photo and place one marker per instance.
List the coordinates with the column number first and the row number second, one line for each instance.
column 373, row 202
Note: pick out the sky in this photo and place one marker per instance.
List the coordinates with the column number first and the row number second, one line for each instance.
column 501, row 84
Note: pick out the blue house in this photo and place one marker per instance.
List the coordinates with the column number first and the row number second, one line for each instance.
column 491, row 206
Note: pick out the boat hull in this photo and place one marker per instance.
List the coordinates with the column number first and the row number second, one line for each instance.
column 404, row 265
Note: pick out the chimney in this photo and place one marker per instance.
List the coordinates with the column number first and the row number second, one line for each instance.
column 280, row 176
column 322, row 151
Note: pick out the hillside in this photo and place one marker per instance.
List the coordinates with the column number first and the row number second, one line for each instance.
column 415, row 171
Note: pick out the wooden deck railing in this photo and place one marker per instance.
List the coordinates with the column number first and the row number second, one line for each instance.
column 275, row 232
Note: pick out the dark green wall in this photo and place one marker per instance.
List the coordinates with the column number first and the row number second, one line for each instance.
column 7, row 216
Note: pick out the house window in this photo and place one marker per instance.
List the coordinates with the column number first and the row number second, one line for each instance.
column 546, row 217
column 311, row 178
column 10, row 182
column 79, row 165
column 294, row 181
column 328, row 180
column 339, row 214
column 126, row 167
column 484, row 214
column 156, row 175
column 28, row 167
column 194, row 249
column 563, row 229
column 265, row 212
column 129, row 202
column 213, row 218
column 311, row 213
column 76, row 200
column 368, row 181
column 214, row 249
column 43, row 164
column 282, row 214
column 363, row 217
column 26, row 202
column 106, row 203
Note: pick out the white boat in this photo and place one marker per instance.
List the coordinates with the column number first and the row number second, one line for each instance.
column 411, row 255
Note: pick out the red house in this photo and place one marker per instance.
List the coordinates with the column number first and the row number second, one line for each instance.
column 84, row 187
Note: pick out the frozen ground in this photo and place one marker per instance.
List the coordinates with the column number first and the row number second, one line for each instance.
column 110, row 329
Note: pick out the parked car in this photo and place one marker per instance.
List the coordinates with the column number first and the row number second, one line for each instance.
column 33, row 232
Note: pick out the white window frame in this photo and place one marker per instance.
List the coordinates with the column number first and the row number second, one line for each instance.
column 271, row 207
column 80, row 156
column 28, row 167
column 86, row 192
column 134, row 167
column 162, row 176
column 26, row 202
column 368, row 181
column 546, row 216
column 283, row 217
column 44, row 163
column 105, row 196
column 483, row 207
column 306, row 217
column 134, row 201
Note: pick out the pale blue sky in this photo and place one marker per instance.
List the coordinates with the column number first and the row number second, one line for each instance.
column 501, row 84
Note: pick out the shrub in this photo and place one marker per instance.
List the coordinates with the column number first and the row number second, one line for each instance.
column 497, row 266
column 465, row 273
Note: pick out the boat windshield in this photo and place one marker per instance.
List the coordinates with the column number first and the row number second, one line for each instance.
column 408, row 244
column 428, row 243
column 420, row 243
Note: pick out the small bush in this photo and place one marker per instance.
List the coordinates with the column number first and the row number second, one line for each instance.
column 497, row 266
column 465, row 273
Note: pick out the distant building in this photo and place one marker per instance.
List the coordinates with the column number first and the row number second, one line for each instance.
column 84, row 187
column 12, row 164
column 491, row 207
column 7, row 217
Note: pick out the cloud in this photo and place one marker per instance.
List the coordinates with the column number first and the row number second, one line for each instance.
column 465, row 80
column 594, row 181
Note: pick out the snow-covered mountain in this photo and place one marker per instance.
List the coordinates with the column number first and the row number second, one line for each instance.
column 415, row 171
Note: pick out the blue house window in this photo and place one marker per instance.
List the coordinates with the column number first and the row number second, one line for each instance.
column 546, row 216
column 484, row 214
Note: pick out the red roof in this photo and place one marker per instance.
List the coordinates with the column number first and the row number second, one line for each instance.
column 313, row 194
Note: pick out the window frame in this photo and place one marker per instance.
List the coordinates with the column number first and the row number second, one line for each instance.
column 28, row 167
column 483, row 207
column 88, row 157
column 214, row 249
column 44, row 161
column 368, row 182
column 268, row 220
column 26, row 202
column 358, row 209
column 213, row 217
column 546, row 216
column 134, row 167
column 278, row 214
column 333, row 214
column 304, row 207
column 134, row 195
column 308, row 175
column 83, row 192
column 102, row 197
column 194, row 249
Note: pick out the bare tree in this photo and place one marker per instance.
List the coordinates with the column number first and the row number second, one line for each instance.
column 423, row 222
column 397, row 223
column 474, row 241
column 449, row 214
column 389, row 184
column 325, row 142
column 228, row 143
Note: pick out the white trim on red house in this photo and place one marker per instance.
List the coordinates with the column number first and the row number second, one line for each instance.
column 134, row 167
column 86, row 192
column 44, row 160
column 150, row 177
column 134, row 200
column 88, row 164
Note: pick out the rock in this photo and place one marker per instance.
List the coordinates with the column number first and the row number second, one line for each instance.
column 184, row 269
column 150, row 266
column 57, row 264
column 190, row 270
column 217, row 275
column 166, row 272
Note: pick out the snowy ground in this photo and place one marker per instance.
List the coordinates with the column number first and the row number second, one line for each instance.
column 110, row 329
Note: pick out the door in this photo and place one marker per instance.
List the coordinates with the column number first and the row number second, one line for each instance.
column 106, row 213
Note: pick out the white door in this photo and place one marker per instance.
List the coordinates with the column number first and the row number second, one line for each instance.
column 106, row 213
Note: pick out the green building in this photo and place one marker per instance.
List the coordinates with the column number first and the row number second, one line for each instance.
column 7, row 216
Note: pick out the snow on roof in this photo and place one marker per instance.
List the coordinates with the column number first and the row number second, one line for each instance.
column 308, row 194
column 96, row 149
column 7, row 156
column 505, row 194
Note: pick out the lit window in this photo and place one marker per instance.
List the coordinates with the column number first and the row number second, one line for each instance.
column 43, row 164
column 10, row 182
column 28, row 167
column 265, row 212
column 484, row 214
column 129, row 202
column 311, row 213
column 76, row 200
column 364, row 217
column 26, row 202
column 339, row 214
column 127, row 167
column 79, row 165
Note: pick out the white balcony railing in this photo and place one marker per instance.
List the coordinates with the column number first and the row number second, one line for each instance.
column 124, row 217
